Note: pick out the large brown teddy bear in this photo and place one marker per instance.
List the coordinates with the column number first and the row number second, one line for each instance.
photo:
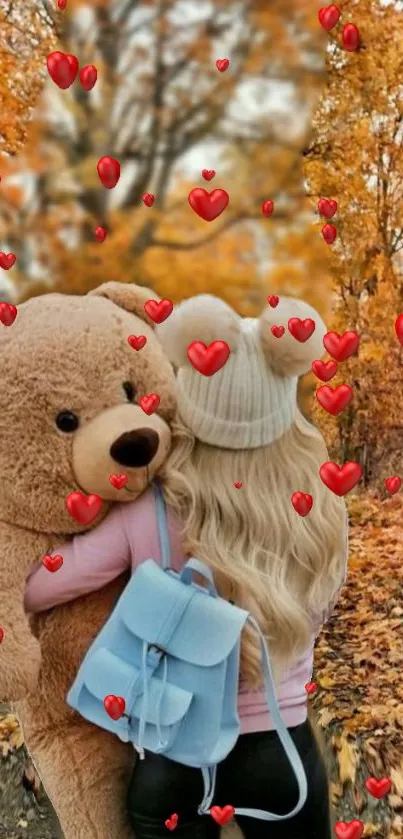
column 69, row 418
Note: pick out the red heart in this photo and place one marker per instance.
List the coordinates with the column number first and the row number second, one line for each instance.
column 328, row 17
column 273, row 300
column 349, row 830
column 7, row 260
column 208, row 174
column 62, row 4
column 148, row 199
column 277, row 331
column 118, row 481
column 109, row 171
column 334, row 400
column 149, row 403
column 222, row 815
column 302, row 503
column 393, row 484
column 342, row 346
column 238, row 484
column 83, row 508
column 378, row 787
column 158, row 310
column 208, row 205
column 62, row 68
column 88, row 76
column 114, row 706
column 172, row 822
column 8, row 313
column 1, row 634
column 329, row 233
column 301, row 329
column 222, row 64
column 340, row 479
column 208, row 360
column 327, row 207
column 350, row 37
column 267, row 208
column 52, row 563
column 324, row 370
column 137, row 342
column 100, row 234
column 398, row 327
column 311, row 688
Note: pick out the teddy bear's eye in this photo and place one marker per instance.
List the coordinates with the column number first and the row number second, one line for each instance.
column 67, row 422
column 129, row 390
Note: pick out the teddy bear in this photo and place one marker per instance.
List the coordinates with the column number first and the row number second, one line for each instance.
column 80, row 429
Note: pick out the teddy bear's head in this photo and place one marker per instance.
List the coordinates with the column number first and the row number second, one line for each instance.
column 70, row 416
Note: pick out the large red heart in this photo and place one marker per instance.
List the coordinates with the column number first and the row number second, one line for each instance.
column 329, row 233
column 324, row 370
column 137, row 342
column 302, row 503
column 378, row 787
column 208, row 205
column 327, row 207
column 342, row 346
column 83, row 508
column 301, row 330
column 222, row 815
column 334, row 400
column 340, row 479
column 350, row 37
column 208, row 360
column 328, row 17
column 108, row 169
column 158, row 310
column 7, row 260
column 149, row 404
column 8, row 313
column 52, row 563
column 62, row 68
column 114, row 706
column 349, row 830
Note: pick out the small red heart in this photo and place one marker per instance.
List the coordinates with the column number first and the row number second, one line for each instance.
column 277, row 331
column 378, row 787
column 208, row 205
column 267, row 208
column 114, row 706
column 148, row 199
column 7, row 260
column 329, row 233
column 222, row 64
column 8, row 313
column 324, row 370
column 100, row 234
column 340, row 479
column 328, row 17
column 62, row 68
column 222, row 815
column 158, row 310
column 108, row 169
column 334, row 400
column 302, row 503
column 172, row 822
column 301, row 330
column 52, row 563
column 311, row 688
column 393, row 484
column 62, row 4
column 137, row 342
column 118, row 481
column 350, row 37
column 83, row 508
column 398, row 327
column 349, row 830
column 1, row 634
column 273, row 300
column 342, row 346
column 149, row 404
column 238, row 484
column 208, row 360
column 327, row 207
column 208, row 174
column 88, row 76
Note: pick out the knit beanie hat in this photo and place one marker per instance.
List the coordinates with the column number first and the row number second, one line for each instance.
column 252, row 400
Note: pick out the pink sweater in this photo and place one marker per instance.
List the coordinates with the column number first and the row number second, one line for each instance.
column 127, row 537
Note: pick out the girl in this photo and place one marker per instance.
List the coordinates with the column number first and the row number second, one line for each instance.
column 241, row 449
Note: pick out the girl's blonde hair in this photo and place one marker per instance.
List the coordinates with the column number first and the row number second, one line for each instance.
column 283, row 568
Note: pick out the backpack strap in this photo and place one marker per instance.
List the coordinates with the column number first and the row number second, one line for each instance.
column 162, row 525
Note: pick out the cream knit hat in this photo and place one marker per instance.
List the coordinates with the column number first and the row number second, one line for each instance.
column 251, row 401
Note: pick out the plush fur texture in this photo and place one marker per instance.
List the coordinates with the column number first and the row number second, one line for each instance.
column 286, row 355
column 203, row 318
column 69, row 353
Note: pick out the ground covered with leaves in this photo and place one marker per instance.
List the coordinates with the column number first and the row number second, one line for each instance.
column 358, row 706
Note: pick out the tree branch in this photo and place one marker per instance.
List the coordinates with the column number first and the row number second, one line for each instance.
column 205, row 240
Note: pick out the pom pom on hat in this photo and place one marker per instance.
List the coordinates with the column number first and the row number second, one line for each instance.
column 286, row 355
column 203, row 318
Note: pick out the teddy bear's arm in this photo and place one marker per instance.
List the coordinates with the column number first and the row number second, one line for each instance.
column 20, row 655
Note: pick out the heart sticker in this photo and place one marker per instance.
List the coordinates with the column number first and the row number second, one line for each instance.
column 329, row 233
column 172, row 822
column 324, row 370
column 301, row 330
column 208, row 174
column 342, row 346
column 311, row 688
column 222, row 64
column 158, row 310
column 334, row 400
column 149, row 404
column 349, row 830
column 137, row 342
column 398, row 327
column 350, row 37
column 267, row 208
column 88, row 76
column 148, row 199
column 100, row 234
column 7, row 260
column 114, row 706
column 62, row 68
column 302, row 503
column 378, row 787
column 208, row 205
column 277, row 331
column 340, row 479
column 118, row 481
column 238, row 484
column 328, row 17
column 393, row 484
column 1, row 634
column 109, row 171
column 52, row 563
column 208, row 360
column 222, row 815
column 273, row 300
column 8, row 314
column 327, row 207
column 83, row 508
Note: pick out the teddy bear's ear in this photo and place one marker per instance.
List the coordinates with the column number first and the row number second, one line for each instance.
column 286, row 355
column 202, row 318
column 128, row 296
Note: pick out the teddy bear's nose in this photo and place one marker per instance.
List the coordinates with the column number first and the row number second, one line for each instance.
column 135, row 448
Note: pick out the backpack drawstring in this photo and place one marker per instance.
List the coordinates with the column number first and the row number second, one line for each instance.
column 209, row 779
column 145, row 675
column 161, row 743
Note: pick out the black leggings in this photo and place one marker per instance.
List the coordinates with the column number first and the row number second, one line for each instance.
column 255, row 774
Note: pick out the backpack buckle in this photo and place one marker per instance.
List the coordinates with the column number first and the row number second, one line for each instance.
column 157, row 648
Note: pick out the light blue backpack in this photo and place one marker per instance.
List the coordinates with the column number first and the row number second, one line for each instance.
column 171, row 649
